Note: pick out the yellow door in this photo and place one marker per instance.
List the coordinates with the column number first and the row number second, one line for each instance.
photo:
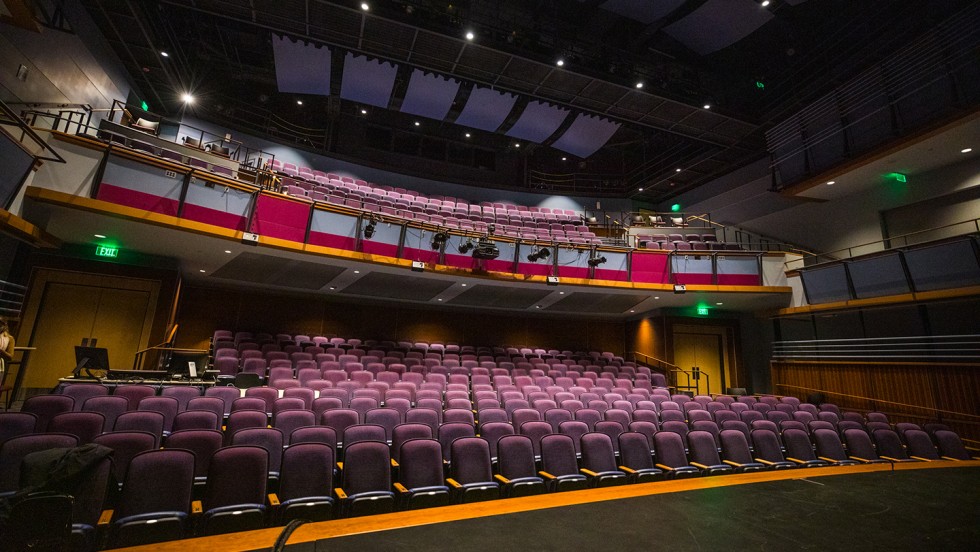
column 701, row 354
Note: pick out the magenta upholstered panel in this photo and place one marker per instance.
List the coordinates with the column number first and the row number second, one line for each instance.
column 280, row 217
column 650, row 268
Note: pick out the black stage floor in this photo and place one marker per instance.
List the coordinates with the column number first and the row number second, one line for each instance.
column 905, row 510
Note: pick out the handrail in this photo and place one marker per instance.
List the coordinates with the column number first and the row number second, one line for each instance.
column 15, row 120
column 937, row 410
column 674, row 369
column 849, row 250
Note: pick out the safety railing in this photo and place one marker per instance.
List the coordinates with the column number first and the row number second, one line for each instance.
column 961, row 228
column 938, row 348
column 678, row 378
column 11, row 298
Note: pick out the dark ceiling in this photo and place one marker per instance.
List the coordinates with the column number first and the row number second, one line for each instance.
column 223, row 50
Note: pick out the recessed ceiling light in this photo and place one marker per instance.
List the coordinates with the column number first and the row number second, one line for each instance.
column 707, row 106
column 561, row 293
column 100, row 236
column 560, row 62
column 631, row 310
column 202, row 270
column 364, row 112
column 537, row 306
column 164, row 54
column 765, row 3
column 470, row 35
column 187, row 98
column 657, row 298
column 439, row 299
column 464, row 285
column 831, row 182
column 357, row 272
column 299, row 102
column 677, row 170
column 333, row 287
column 719, row 304
column 639, row 189
column 467, row 134
column 418, row 123
column 966, row 150
column 517, row 145
column 639, row 85
column 365, row 6
column 227, row 250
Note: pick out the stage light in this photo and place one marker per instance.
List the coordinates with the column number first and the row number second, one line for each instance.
column 491, row 228
column 465, row 247
column 438, row 240
column 369, row 229
column 187, row 98
column 539, row 255
column 596, row 261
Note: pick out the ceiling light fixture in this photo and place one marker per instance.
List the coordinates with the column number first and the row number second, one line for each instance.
column 639, row 189
column 564, row 159
column 517, row 145
column 364, row 112
column 707, row 106
column 639, row 84
column 467, row 134
column 418, row 123
column 560, row 62
column 470, row 35
column 187, row 98
column 164, row 54
column 966, row 150
column 228, row 251
column 100, row 236
column 765, row 3
column 299, row 102
column 202, row 270
column 365, row 6
column 677, row 170
column 831, row 182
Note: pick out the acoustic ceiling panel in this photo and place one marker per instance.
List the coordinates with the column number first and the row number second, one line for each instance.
column 718, row 24
column 537, row 122
column 586, row 135
column 429, row 95
column 486, row 109
column 301, row 68
column 368, row 81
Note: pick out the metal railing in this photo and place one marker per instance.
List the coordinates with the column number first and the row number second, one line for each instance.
column 11, row 298
column 678, row 378
column 28, row 138
column 945, row 348
column 961, row 228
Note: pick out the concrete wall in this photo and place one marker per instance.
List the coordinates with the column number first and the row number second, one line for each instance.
column 62, row 67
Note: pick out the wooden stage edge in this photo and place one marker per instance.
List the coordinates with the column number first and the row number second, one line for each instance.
column 311, row 532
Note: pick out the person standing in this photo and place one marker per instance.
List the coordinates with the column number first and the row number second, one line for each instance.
column 6, row 346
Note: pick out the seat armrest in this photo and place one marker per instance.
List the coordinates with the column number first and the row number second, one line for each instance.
column 400, row 488
column 893, row 460
column 106, row 517
column 733, row 464
column 394, row 464
column 665, row 467
column 951, row 458
column 921, row 459
column 453, row 483
column 340, row 466
column 589, row 473
column 196, row 507
column 340, row 493
column 795, row 460
column 766, row 462
column 829, row 460
column 502, row 479
column 627, row 470
column 273, row 500
column 546, row 475
column 699, row 465
column 859, row 459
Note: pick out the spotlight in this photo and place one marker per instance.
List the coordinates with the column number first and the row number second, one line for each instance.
column 486, row 249
column 369, row 229
column 438, row 240
column 539, row 255
column 466, row 247
column 560, row 62
column 187, row 98
column 596, row 261
column 491, row 228
column 365, row 6
column 470, row 35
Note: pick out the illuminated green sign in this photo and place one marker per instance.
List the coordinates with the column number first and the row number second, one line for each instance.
column 145, row 106
column 675, row 207
column 106, row 251
column 702, row 311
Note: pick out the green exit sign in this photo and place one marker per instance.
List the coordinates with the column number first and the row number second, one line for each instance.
column 702, row 311
column 106, row 251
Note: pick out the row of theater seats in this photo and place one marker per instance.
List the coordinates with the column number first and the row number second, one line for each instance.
column 407, row 467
